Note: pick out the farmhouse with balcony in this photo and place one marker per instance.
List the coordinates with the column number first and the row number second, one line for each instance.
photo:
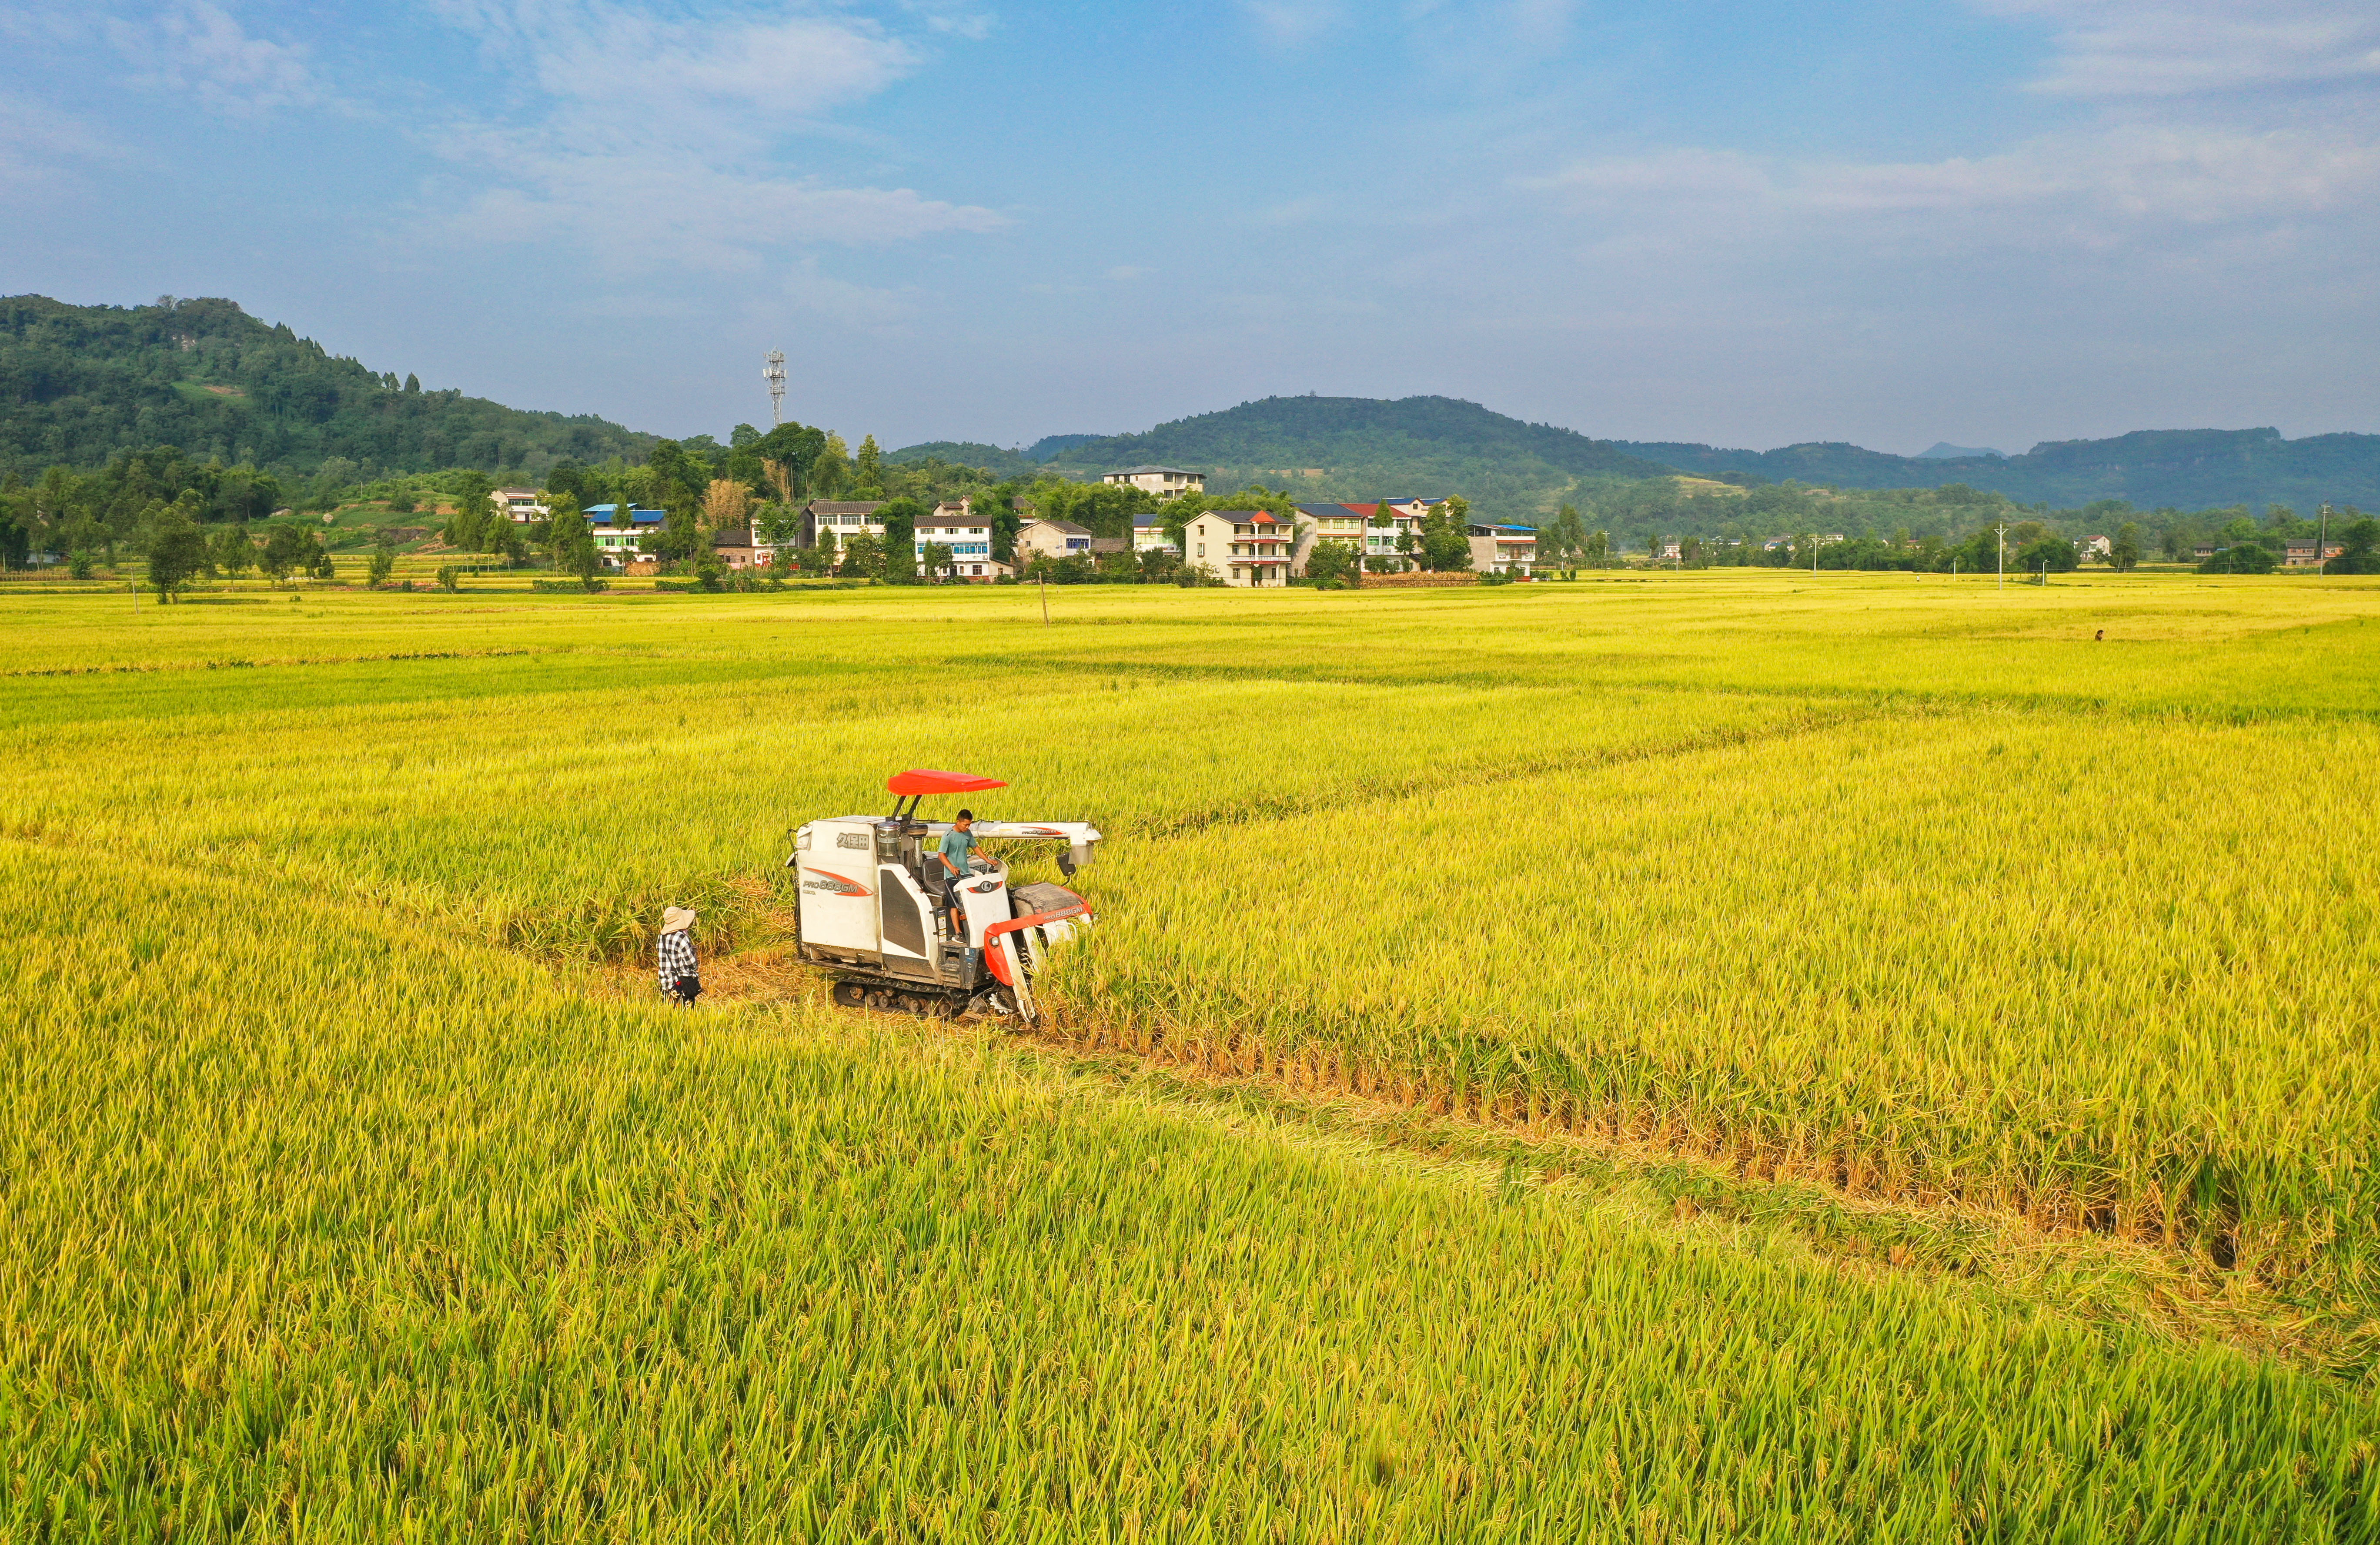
column 1498, row 549
column 1246, row 549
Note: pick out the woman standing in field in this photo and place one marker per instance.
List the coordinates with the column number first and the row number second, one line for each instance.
column 681, row 974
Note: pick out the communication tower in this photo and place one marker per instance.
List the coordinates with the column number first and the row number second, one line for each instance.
column 775, row 375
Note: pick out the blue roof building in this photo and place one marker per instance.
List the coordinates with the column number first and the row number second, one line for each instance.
column 601, row 515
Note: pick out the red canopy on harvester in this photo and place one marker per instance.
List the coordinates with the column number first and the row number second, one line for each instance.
column 927, row 780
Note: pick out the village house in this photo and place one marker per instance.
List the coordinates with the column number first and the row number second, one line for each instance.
column 1148, row 534
column 524, row 505
column 1497, row 549
column 968, row 535
column 1246, row 549
column 2095, row 547
column 1354, row 523
column 845, row 519
column 1166, row 482
column 735, row 547
column 1052, row 539
column 620, row 547
column 2298, row 552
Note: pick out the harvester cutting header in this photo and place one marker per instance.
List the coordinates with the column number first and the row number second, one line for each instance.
column 908, row 915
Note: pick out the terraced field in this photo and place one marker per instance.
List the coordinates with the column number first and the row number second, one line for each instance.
column 1722, row 1056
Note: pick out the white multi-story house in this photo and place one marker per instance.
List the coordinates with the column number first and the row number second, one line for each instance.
column 524, row 505
column 1164, row 482
column 968, row 536
column 845, row 519
column 1246, row 549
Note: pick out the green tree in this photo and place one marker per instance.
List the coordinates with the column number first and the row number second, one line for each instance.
column 2240, row 557
column 383, row 558
column 286, row 550
column 2046, row 554
column 2124, row 553
column 2358, row 542
column 231, row 554
column 867, row 469
column 450, row 579
column 681, row 538
column 468, row 529
column 900, row 517
column 1443, row 542
column 863, row 556
column 177, row 548
column 935, row 561
column 1333, row 564
column 1564, row 540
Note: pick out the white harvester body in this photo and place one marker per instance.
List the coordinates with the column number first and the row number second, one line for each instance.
column 872, row 908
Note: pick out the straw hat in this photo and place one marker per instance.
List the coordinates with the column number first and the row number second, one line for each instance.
column 676, row 919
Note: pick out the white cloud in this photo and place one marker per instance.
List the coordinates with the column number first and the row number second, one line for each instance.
column 863, row 306
column 200, row 50
column 2112, row 49
column 2094, row 188
column 658, row 142
column 1290, row 22
column 38, row 143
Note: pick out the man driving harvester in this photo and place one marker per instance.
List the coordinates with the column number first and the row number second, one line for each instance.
column 960, row 862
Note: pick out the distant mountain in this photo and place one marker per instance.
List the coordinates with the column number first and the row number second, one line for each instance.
column 969, row 453
column 1942, row 450
column 2187, row 469
column 1050, row 444
column 1364, row 448
column 78, row 383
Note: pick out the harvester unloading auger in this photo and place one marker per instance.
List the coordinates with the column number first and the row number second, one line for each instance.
column 872, row 910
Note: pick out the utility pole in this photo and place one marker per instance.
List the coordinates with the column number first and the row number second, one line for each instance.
column 2322, row 546
column 2002, row 530
column 773, row 372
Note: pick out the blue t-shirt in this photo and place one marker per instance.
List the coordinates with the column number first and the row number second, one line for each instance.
column 959, row 848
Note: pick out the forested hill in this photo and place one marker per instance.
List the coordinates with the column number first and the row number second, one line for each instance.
column 78, row 383
column 1365, row 447
column 2186, row 468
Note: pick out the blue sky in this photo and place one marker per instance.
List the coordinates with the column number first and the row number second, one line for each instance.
column 1994, row 223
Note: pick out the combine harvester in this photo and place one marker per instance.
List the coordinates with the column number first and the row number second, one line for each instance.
column 872, row 911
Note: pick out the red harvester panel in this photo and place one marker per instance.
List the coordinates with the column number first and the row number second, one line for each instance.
column 925, row 780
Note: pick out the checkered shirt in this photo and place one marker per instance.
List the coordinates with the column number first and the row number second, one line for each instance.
column 676, row 954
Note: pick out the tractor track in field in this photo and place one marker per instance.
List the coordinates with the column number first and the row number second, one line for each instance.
column 2088, row 1274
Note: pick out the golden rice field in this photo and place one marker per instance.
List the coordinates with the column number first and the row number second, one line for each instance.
column 1723, row 1056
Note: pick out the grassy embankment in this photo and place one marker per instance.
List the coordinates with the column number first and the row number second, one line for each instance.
column 348, row 1200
